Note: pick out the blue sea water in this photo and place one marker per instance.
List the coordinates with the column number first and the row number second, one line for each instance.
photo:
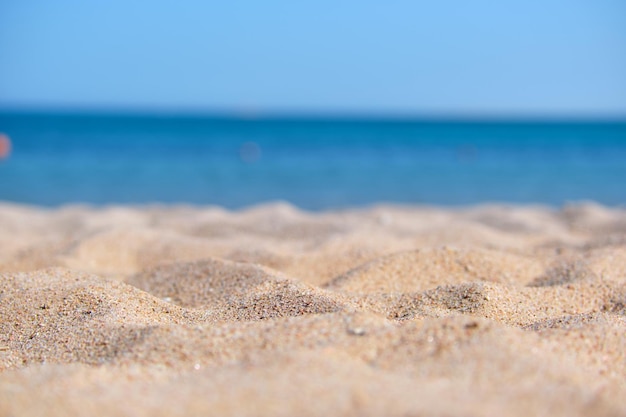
column 313, row 163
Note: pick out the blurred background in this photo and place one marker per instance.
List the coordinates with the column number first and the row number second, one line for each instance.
column 324, row 104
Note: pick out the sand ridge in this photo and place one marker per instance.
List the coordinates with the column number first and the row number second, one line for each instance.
column 387, row 310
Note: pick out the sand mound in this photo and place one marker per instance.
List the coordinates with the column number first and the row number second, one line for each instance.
column 423, row 269
column 236, row 291
column 55, row 315
column 491, row 310
column 201, row 284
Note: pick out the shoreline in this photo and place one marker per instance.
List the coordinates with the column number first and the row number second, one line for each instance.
column 269, row 204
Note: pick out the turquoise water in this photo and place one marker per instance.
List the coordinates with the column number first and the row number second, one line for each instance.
column 313, row 163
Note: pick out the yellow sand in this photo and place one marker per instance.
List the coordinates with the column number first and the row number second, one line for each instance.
column 272, row 311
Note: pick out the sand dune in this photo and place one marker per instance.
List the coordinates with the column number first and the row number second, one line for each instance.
column 389, row 310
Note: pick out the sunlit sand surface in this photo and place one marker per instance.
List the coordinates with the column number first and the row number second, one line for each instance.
column 272, row 311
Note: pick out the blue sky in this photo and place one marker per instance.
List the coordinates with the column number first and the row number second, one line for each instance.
column 494, row 58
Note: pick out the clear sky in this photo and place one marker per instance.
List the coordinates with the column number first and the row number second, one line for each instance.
column 444, row 57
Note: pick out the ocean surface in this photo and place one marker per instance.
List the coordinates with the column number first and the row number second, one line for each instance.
column 313, row 163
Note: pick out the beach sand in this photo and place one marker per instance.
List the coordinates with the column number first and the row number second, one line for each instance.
column 271, row 311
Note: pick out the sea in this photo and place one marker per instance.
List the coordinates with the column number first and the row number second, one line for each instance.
column 315, row 163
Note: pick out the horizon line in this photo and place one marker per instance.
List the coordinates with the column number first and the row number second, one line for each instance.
column 299, row 114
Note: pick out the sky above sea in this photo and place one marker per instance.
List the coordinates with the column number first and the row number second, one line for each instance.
column 556, row 58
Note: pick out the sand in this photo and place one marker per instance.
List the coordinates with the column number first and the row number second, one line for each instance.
column 272, row 311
